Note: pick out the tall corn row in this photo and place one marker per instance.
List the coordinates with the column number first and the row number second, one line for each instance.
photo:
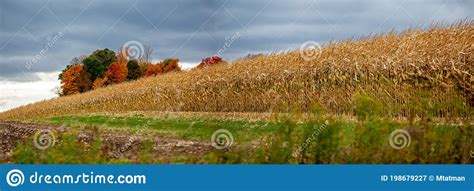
column 430, row 68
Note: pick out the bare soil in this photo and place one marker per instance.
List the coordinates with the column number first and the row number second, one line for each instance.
column 116, row 144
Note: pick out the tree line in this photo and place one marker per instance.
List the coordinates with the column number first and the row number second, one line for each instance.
column 105, row 67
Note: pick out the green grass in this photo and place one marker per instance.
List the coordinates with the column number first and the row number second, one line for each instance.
column 332, row 139
column 339, row 141
column 362, row 142
column 197, row 128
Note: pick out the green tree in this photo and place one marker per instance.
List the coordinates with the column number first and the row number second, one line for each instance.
column 97, row 63
column 134, row 71
column 106, row 56
column 94, row 67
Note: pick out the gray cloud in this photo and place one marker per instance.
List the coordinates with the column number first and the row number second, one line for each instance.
column 192, row 30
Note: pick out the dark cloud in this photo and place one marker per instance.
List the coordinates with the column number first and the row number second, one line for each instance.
column 192, row 30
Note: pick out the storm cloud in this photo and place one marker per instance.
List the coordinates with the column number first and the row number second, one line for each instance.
column 192, row 30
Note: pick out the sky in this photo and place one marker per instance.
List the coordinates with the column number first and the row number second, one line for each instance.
column 39, row 38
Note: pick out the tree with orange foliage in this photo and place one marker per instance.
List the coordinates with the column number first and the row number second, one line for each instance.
column 116, row 73
column 168, row 65
column 75, row 80
column 153, row 70
column 122, row 56
column 99, row 82
column 144, row 67
column 210, row 61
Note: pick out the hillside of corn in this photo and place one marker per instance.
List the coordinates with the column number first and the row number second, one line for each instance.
column 415, row 72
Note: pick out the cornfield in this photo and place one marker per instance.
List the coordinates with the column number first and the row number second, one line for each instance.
column 430, row 68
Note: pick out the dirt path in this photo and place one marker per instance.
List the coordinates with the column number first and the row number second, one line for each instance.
column 116, row 144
